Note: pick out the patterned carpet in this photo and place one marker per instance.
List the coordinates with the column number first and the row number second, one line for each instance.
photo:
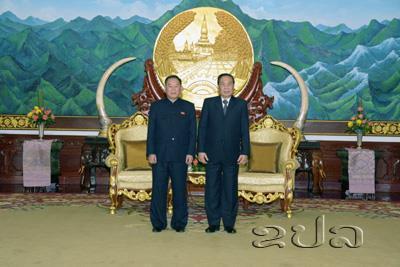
column 363, row 208
column 48, row 229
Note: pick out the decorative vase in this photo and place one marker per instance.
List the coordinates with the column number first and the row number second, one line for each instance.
column 41, row 130
column 359, row 138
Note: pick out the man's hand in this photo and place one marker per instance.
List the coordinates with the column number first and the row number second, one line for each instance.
column 152, row 159
column 189, row 159
column 203, row 157
column 242, row 159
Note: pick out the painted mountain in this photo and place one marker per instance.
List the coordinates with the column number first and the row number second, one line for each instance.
column 65, row 60
column 371, row 74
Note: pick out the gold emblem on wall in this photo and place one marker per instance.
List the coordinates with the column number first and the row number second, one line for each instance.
column 198, row 45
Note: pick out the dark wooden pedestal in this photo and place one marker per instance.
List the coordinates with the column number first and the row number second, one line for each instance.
column 94, row 153
column 311, row 167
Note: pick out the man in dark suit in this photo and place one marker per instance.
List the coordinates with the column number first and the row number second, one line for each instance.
column 223, row 144
column 171, row 142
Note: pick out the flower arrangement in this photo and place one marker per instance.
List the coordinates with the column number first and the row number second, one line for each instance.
column 197, row 166
column 40, row 115
column 359, row 122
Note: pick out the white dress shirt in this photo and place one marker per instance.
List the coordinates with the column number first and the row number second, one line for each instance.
column 222, row 101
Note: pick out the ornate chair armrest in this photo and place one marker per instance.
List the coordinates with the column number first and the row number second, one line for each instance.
column 112, row 161
column 289, row 165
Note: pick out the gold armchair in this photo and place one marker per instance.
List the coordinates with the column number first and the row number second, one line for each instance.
column 130, row 175
column 265, row 187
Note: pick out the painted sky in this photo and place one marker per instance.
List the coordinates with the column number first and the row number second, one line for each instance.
column 354, row 13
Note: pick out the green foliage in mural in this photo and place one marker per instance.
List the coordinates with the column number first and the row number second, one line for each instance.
column 66, row 60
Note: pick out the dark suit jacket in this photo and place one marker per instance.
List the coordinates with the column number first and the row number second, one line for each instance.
column 224, row 137
column 172, row 130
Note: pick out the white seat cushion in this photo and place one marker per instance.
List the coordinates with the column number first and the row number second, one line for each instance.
column 141, row 179
column 261, row 182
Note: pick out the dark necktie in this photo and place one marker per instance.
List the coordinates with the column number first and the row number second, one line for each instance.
column 225, row 107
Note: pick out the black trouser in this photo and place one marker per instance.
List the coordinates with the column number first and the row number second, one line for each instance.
column 158, row 210
column 221, row 193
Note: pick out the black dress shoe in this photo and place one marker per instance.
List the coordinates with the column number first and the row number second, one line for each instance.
column 230, row 230
column 157, row 230
column 212, row 229
column 180, row 230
